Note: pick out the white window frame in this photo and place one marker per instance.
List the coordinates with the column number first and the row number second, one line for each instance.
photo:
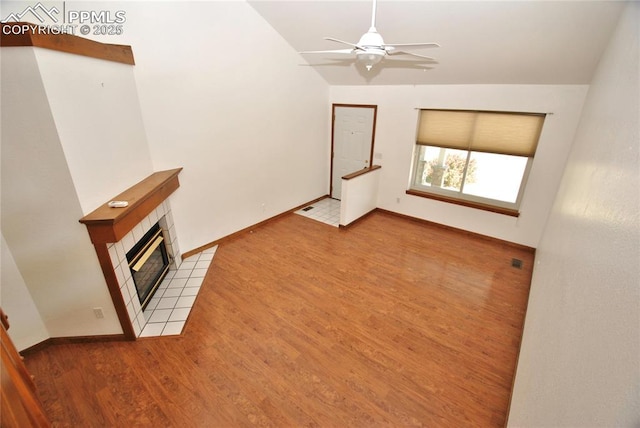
column 458, row 197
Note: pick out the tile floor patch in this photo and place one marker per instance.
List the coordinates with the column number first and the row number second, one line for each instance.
column 327, row 211
column 169, row 308
column 152, row 329
column 173, row 328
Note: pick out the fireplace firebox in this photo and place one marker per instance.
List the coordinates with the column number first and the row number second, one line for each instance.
column 149, row 263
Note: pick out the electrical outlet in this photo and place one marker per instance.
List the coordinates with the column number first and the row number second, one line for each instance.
column 98, row 313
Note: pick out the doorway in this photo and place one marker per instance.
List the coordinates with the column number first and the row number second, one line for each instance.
column 352, row 137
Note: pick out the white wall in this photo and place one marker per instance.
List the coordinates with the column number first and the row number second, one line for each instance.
column 395, row 139
column 579, row 360
column 64, row 153
column 95, row 107
column 26, row 327
column 359, row 196
column 225, row 97
column 222, row 95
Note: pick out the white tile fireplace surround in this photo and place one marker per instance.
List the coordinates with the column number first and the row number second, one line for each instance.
column 167, row 311
column 115, row 231
column 118, row 254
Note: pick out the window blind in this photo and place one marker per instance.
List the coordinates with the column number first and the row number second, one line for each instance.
column 502, row 133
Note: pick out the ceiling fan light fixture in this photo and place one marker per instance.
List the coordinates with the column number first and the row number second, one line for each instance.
column 369, row 58
column 371, row 49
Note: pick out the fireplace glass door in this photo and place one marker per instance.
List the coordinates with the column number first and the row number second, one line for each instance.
column 149, row 263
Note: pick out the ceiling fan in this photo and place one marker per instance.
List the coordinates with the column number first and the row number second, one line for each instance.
column 371, row 49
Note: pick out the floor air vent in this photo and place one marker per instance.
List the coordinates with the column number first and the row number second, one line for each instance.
column 516, row 263
column 307, row 209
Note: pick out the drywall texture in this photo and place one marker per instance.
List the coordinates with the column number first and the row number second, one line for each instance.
column 578, row 363
column 250, row 125
column 27, row 328
column 95, row 107
column 395, row 141
column 359, row 196
column 72, row 139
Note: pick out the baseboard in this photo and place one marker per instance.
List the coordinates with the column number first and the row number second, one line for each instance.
column 73, row 339
column 532, row 250
column 211, row 244
column 346, row 226
column 408, row 217
column 121, row 337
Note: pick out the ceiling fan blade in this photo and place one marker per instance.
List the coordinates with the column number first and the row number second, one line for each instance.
column 335, row 51
column 404, row 63
column 344, row 62
column 414, row 45
column 390, row 65
column 342, row 41
column 371, row 49
column 394, row 53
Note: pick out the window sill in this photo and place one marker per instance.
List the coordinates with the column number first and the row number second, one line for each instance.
column 477, row 205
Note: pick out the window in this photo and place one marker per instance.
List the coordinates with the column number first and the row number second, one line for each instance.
column 475, row 158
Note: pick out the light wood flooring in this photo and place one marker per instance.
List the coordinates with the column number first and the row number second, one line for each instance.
column 390, row 322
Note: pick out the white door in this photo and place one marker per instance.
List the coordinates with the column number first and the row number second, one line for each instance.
column 352, row 143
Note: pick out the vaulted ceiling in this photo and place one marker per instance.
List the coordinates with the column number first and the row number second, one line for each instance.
column 481, row 42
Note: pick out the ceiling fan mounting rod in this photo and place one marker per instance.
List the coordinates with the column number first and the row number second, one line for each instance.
column 373, row 17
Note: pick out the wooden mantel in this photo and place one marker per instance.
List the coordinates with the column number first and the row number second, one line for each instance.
column 107, row 224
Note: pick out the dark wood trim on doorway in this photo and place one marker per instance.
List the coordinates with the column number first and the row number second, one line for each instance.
column 373, row 135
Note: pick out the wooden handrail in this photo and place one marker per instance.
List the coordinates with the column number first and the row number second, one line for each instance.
column 361, row 172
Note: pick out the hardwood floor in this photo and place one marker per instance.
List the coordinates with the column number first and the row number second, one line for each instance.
column 390, row 322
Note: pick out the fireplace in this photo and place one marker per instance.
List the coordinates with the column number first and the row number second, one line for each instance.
column 149, row 263
column 114, row 233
